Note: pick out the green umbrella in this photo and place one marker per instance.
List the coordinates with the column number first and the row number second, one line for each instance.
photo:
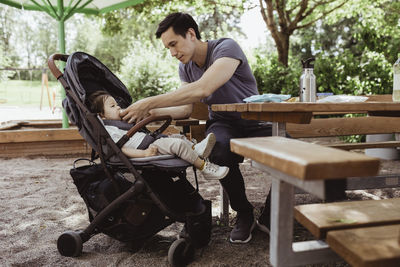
column 61, row 10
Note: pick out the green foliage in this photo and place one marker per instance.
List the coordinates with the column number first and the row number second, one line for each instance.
column 146, row 71
column 4, row 61
column 355, row 50
column 347, row 74
column 215, row 18
column 273, row 77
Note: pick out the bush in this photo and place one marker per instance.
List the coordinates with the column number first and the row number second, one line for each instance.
column 369, row 73
column 274, row 77
column 147, row 72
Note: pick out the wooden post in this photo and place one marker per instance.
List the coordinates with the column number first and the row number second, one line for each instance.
column 45, row 82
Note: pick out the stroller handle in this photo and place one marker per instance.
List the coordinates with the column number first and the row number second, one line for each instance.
column 52, row 66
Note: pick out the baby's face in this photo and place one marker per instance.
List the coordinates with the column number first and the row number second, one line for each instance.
column 111, row 109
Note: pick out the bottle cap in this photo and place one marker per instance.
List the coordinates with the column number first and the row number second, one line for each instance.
column 307, row 63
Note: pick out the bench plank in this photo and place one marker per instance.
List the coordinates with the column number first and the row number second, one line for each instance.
column 321, row 218
column 35, row 135
column 344, row 126
column 304, row 160
column 351, row 146
column 369, row 246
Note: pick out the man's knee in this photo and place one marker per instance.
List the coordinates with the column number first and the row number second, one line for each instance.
column 222, row 155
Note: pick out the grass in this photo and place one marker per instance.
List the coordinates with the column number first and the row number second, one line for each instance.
column 28, row 93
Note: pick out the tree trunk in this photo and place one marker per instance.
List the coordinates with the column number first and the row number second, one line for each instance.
column 282, row 22
column 280, row 34
column 282, row 44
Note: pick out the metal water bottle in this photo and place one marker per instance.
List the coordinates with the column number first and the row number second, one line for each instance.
column 307, row 82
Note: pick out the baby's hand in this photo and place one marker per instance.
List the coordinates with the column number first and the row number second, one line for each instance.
column 151, row 151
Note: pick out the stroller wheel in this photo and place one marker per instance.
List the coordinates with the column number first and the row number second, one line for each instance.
column 180, row 253
column 69, row 244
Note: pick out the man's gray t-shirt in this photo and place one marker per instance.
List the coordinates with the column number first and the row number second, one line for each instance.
column 241, row 85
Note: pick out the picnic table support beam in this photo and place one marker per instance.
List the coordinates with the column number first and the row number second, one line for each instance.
column 224, row 206
column 279, row 129
column 283, row 252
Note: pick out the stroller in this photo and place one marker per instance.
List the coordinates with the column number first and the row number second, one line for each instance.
column 129, row 199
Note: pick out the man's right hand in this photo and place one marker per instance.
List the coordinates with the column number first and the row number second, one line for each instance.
column 136, row 111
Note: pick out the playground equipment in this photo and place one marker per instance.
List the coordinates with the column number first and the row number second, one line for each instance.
column 45, row 83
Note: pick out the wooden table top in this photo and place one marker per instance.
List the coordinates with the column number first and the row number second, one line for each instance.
column 302, row 112
column 308, row 107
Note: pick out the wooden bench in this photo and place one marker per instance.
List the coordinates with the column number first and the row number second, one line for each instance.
column 310, row 167
column 348, row 226
column 323, row 217
column 46, row 138
column 195, row 126
column 345, row 126
column 369, row 246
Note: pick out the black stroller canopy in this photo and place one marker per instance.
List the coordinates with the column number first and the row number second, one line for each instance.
column 86, row 74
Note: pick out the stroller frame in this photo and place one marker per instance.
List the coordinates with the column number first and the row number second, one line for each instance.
column 181, row 252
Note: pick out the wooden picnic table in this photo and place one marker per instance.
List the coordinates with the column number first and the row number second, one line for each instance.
column 302, row 112
column 293, row 163
column 282, row 251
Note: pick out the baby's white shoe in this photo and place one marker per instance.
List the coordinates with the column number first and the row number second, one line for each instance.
column 204, row 148
column 213, row 171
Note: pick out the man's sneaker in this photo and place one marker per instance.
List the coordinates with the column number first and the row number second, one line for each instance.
column 212, row 171
column 241, row 233
column 263, row 223
column 204, row 148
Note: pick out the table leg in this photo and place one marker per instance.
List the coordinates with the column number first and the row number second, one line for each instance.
column 283, row 252
column 278, row 129
column 224, row 206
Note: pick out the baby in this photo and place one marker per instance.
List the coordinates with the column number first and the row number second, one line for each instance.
column 106, row 107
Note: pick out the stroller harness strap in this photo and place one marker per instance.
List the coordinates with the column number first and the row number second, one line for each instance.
column 148, row 140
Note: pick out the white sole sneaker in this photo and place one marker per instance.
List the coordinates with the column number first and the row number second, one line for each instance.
column 248, row 239
column 210, row 142
column 207, row 175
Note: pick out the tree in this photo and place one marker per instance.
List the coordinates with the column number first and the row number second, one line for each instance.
column 215, row 17
column 284, row 17
column 4, row 61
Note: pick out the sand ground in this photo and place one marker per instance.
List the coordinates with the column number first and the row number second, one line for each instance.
column 39, row 202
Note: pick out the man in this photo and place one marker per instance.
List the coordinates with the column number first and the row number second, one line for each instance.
column 214, row 72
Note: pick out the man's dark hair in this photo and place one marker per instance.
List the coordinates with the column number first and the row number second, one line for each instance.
column 180, row 23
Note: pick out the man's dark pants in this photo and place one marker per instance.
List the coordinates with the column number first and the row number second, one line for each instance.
column 224, row 131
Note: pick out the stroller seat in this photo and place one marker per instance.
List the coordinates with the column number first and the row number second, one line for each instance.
column 129, row 211
column 162, row 161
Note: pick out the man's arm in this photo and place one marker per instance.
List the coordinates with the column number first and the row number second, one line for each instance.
column 179, row 112
column 216, row 75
